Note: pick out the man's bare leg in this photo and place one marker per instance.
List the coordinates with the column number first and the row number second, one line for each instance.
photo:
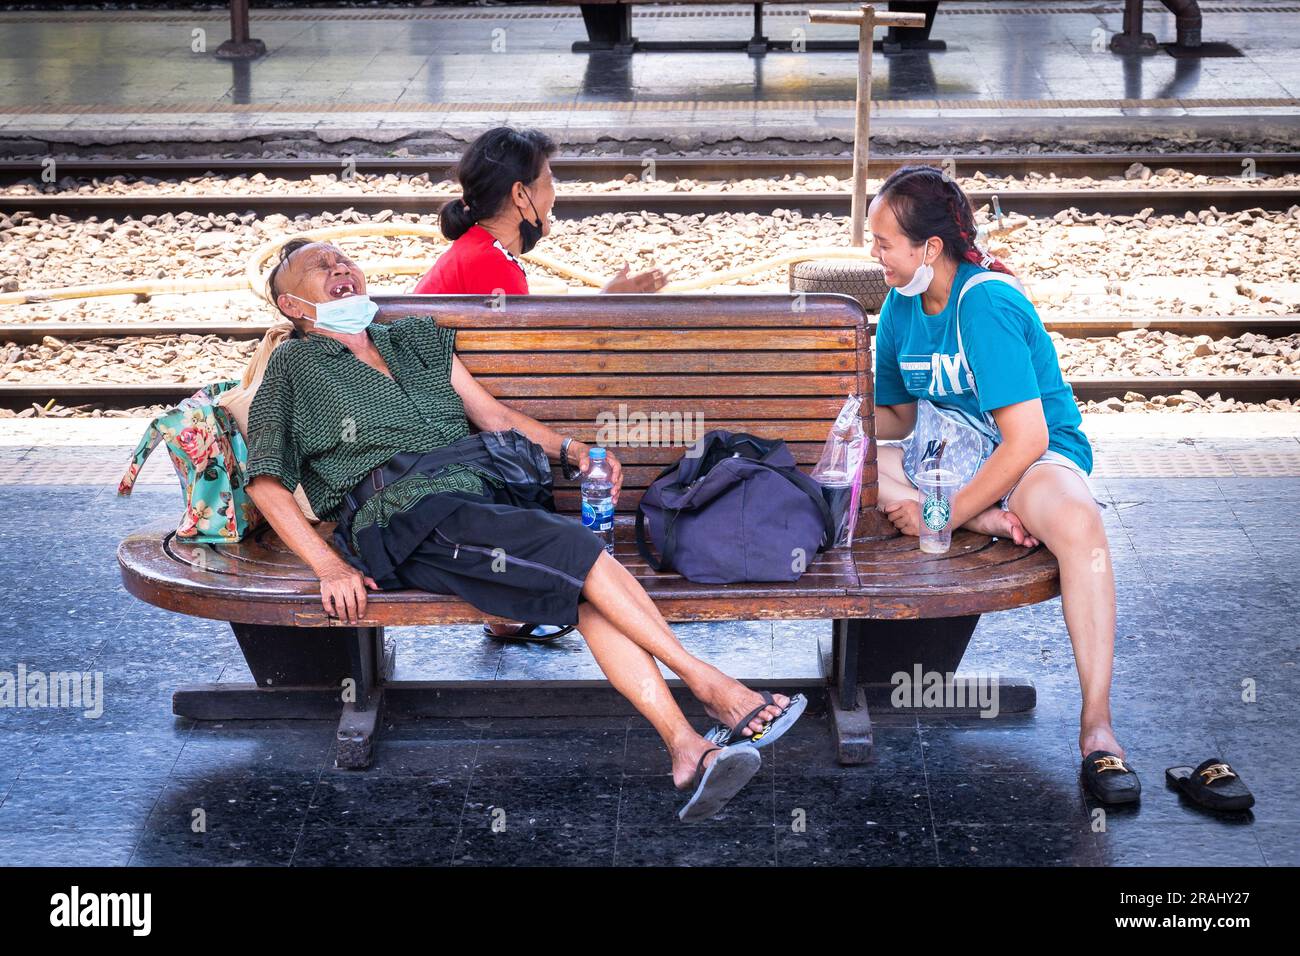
column 636, row 676
column 620, row 598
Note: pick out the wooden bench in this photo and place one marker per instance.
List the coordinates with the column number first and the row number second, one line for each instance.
column 609, row 28
column 773, row 365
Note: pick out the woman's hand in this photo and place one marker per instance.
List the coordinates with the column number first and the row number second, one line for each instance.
column 343, row 592
column 650, row 281
column 906, row 517
column 615, row 468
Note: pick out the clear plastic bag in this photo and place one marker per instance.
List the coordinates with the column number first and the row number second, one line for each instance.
column 968, row 442
column 839, row 470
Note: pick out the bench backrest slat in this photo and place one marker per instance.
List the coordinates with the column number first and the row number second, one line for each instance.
column 773, row 365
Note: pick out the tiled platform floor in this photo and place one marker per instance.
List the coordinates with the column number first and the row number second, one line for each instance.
column 1207, row 600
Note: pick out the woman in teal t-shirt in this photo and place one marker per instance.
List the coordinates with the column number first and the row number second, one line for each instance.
column 923, row 233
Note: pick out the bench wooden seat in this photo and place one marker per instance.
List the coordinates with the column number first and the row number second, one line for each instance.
column 260, row 581
column 773, row 365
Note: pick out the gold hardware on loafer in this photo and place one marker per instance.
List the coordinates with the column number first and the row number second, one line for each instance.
column 1110, row 763
column 1217, row 771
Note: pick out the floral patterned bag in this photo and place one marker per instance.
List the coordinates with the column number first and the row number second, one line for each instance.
column 209, row 456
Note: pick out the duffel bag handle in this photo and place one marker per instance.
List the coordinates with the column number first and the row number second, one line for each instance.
column 670, row 538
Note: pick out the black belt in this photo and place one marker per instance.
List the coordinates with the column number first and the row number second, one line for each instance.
column 517, row 462
column 468, row 450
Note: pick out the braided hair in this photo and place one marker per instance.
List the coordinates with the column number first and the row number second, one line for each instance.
column 926, row 202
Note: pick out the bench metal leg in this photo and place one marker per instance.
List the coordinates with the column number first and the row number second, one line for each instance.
column 900, row 39
column 299, row 656
column 865, row 655
column 609, row 27
column 304, row 673
column 758, row 44
column 358, row 724
column 849, row 717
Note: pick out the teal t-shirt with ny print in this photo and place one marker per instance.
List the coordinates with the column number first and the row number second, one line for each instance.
column 1009, row 351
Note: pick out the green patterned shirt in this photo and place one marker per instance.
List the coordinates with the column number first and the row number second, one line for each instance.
column 324, row 418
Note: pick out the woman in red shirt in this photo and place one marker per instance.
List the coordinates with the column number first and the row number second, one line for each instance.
column 505, row 209
column 508, row 193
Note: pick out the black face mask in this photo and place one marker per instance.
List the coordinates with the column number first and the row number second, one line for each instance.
column 529, row 232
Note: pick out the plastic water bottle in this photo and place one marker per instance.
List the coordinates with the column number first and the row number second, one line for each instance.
column 597, row 498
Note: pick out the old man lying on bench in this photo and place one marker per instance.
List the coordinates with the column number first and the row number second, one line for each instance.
column 374, row 421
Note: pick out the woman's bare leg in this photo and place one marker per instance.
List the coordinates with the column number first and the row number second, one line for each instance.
column 892, row 481
column 1057, row 507
column 992, row 521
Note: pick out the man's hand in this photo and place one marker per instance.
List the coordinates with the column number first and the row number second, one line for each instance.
column 650, row 281
column 905, row 516
column 343, row 592
column 580, row 451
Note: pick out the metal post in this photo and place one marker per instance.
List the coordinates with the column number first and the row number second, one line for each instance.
column 239, row 21
column 240, row 46
column 1133, row 40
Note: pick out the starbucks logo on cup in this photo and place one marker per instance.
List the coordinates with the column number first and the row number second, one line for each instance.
column 936, row 511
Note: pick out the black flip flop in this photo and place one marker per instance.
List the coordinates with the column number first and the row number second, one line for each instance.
column 719, row 782
column 1213, row 785
column 524, row 632
column 725, row 736
column 1110, row 779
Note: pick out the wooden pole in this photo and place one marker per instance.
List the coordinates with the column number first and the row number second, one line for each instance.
column 866, row 19
column 862, row 125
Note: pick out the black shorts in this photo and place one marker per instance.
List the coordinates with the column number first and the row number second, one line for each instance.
column 526, row 564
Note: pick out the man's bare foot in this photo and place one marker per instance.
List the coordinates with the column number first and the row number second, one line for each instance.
column 1098, row 736
column 686, row 758
column 997, row 523
column 733, row 700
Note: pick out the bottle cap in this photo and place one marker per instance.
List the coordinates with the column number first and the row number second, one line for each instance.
column 596, row 454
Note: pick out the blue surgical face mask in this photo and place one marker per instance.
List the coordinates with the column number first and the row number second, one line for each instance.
column 346, row 316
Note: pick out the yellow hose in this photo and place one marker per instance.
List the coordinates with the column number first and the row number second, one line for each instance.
column 257, row 278
column 138, row 287
column 254, row 278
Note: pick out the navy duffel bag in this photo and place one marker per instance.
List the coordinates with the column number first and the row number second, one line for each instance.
column 735, row 509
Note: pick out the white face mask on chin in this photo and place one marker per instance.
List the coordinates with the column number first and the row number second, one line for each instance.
column 920, row 280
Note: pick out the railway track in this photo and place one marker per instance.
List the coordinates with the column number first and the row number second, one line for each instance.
column 571, row 205
column 1026, row 202
column 1045, row 201
column 1247, row 388
column 1069, row 326
column 676, row 167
